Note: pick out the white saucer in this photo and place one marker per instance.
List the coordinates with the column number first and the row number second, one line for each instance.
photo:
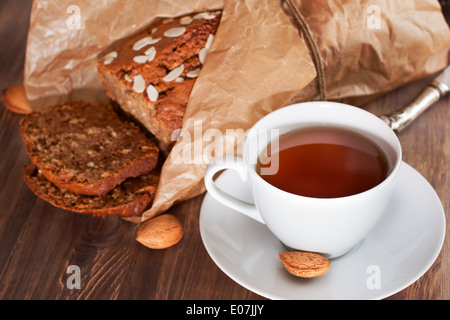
column 397, row 252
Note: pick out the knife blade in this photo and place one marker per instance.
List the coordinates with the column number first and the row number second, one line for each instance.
column 432, row 93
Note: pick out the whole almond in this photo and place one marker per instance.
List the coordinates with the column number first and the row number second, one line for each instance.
column 15, row 99
column 304, row 264
column 160, row 232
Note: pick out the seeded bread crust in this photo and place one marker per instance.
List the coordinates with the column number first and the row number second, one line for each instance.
column 86, row 149
column 155, row 90
column 129, row 199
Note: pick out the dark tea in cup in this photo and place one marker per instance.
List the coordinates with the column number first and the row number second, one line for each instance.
column 325, row 162
column 332, row 171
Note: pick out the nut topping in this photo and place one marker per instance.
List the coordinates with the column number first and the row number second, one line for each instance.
column 202, row 55
column 194, row 73
column 174, row 32
column 167, row 21
column 175, row 73
column 144, row 42
column 204, row 15
column 209, row 41
column 186, row 20
column 127, row 77
column 139, row 83
column 140, row 59
column 150, row 53
column 107, row 59
column 152, row 93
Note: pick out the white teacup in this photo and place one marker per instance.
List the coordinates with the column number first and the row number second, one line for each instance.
column 329, row 226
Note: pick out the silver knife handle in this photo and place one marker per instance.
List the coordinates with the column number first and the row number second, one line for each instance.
column 429, row 96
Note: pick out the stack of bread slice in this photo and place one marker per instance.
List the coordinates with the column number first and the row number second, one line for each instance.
column 85, row 158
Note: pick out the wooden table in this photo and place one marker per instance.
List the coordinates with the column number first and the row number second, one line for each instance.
column 38, row 242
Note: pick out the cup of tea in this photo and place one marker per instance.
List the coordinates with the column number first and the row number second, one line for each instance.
column 321, row 175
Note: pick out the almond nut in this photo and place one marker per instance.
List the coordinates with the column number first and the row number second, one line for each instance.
column 204, row 15
column 15, row 99
column 209, row 41
column 150, row 53
column 194, row 73
column 144, row 42
column 172, row 75
column 128, row 78
column 167, row 21
column 174, row 32
column 152, row 93
column 107, row 59
column 304, row 264
column 138, row 83
column 186, row 20
column 202, row 55
column 140, row 59
column 160, row 232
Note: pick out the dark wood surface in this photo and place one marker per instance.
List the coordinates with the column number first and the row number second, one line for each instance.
column 38, row 242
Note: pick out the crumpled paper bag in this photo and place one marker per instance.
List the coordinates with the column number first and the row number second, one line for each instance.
column 66, row 37
column 258, row 62
column 370, row 47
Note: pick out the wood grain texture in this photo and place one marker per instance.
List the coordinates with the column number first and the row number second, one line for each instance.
column 38, row 242
column 426, row 147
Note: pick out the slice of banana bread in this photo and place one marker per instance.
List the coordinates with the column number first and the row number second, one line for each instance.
column 128, row 199
column 87, row 149
column 151, row 75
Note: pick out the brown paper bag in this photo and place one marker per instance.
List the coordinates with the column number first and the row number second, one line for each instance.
column 371, row 47
column 65, row 40
column 257, row 63
column 236, row 100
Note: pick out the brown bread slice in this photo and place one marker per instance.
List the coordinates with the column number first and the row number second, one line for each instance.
column 86, row 149
column 123, row 64
column 129, row 199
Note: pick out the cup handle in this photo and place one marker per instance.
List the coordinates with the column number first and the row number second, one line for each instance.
column 237, row 164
